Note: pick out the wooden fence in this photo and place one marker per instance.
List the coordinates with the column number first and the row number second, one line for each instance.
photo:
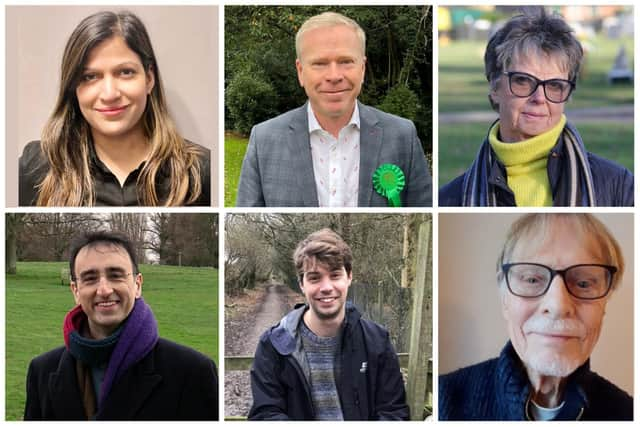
column 412, row 307
column 243, row 363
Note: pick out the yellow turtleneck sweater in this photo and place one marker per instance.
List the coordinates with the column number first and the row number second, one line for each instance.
column 526, row 164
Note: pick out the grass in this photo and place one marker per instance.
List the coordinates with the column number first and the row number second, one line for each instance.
column 459, row 143
column 234, row 149
column 184, row 301
column 463, row 86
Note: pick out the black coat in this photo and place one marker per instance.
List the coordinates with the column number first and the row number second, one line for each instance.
column 172, row 382
column 370, row 384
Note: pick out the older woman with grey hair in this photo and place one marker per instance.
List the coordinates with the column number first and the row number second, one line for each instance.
column 532, row 156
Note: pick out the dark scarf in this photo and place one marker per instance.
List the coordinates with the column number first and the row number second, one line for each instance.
column 514, row 389
column 575, row 184
column 127, row 346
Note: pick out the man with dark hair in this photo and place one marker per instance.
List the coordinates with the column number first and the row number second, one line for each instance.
column 323, row 361
column 113, row 365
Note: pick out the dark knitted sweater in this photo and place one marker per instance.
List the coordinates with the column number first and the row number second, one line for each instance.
column 499, row 389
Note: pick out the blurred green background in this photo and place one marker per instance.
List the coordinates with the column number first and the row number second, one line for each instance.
column 463, row 88
column 184, row 301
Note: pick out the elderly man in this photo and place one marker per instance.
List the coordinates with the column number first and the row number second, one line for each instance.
column 323, row 361
column 113, row 365
column 333, row 151
column 556, row 274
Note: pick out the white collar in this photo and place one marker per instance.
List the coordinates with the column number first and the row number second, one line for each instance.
column 314, row 125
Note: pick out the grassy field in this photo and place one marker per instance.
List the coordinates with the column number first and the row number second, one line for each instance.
column 234, row 149
column 184, row 301
column 459, row 143
column 463, row 86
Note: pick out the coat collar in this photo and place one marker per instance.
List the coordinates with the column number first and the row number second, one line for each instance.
column 284, row 336
column 122, row 404
column 370, row 146
column 514, row 389
column 299, row 144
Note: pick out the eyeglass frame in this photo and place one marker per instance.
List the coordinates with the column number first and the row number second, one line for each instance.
column 610, row 268
column 101, row 274
column 572, row 84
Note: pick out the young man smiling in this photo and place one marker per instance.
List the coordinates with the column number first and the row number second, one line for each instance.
column 113, row 365
column 323, row 361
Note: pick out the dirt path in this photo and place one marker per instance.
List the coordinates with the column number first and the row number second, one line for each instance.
column 246, row 319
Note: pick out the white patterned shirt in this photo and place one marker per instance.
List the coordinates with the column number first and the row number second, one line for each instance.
column 336, row 162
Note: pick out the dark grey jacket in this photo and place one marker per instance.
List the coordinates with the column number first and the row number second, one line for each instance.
column 277, row 170
column 370, row 385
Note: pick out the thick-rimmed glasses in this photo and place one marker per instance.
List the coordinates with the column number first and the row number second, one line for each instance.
column 523, row 85
column 583, row 281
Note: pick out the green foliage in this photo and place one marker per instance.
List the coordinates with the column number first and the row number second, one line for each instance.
column 250, row 100
column 262, row 38
column 401, row 101
column 234, row 150
column 463, row 86
column 184, row 301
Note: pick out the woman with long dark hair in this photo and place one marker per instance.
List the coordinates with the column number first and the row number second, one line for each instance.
column 110, row 140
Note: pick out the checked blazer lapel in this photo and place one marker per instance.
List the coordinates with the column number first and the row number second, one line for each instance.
column 370, row 145
column 300, row 148
column 64, row 390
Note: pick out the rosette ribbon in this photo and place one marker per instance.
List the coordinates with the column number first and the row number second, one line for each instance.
column 388, row 181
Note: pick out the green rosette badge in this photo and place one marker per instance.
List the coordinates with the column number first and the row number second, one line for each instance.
column 388, row 181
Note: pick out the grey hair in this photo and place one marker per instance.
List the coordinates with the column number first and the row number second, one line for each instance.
column 531, row 229
column 329, row 19
column 532, row 33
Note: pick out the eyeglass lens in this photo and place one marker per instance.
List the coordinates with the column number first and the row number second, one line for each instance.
column 523, row 85
column 582, row 281
column 112, row 275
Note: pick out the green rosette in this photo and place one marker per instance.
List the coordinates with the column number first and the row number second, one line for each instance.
column 388, row 181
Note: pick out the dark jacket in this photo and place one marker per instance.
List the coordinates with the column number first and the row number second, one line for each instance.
column 499, row 389
column 33, row 167
column 612, row 183
column 370, row 384
column 172, row 382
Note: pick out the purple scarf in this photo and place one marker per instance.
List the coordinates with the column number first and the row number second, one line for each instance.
column 137, row 338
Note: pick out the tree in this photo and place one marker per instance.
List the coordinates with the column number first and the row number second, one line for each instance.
column 184, row 239
column 133, row 226
column 13, row 227
column 260, row 51
column 46, row 236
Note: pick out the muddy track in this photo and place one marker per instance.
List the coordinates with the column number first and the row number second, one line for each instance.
column 242, row 333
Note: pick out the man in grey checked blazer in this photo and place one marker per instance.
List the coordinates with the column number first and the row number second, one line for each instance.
column 278, row 168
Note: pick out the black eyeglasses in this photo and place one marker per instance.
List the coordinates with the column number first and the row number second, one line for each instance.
column 523, row 85
column 583, row 281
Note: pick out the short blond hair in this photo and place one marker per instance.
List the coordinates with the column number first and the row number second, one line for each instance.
column 534, row 224
column 326, row 20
